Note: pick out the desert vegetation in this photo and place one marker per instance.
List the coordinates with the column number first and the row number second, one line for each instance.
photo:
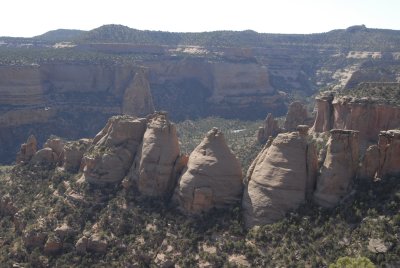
column 135, row 231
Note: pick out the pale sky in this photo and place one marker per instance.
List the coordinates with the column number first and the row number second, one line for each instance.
column 33, row 17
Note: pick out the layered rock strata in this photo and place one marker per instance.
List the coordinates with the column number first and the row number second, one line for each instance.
column 361, row 114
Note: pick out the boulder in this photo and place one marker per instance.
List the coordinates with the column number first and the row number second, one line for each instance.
column 57, row 145
column 270, row 129
column 81, row 245
column 389, row 153
column 27, row 150
column 212, row 178
column 112, row 152
column 137, row 97
column 63, row 231
column 339, row 168
column 53, row 245
column 280, row 179
column 296, row 115
column 96, row 244
column 73, row 154
column 153, row 168
column 45, row 156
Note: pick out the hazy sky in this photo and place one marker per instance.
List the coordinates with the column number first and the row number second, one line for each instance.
column 34, row 17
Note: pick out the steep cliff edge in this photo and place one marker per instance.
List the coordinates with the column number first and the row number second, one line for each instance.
column 368, row 114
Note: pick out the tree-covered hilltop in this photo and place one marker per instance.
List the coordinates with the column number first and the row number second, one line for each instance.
column 356, row 37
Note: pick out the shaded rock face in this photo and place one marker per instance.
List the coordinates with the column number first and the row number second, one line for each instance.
column 370, row 163
column 212, row 178
column 27, row 150
column 113, row 150
column 73, row 154
column 270, row 129
column 363, row 115
column 296, row 115
column 137, row 97
column 324, row 116
column 339, row 168
column 389, row 153
column 152, row 171
column 280, row 178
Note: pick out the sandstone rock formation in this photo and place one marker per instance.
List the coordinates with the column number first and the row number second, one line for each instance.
column 73, row 154
column 152, row 171
column 361, row 114
column 324, row 116
column 296, row 115
column 212, row 178
column 113, row 150
column 370, row 163
column 270, row 129
column 137, row 98
column 339, row 168
column 45, row 156
column 27, row 150
column 389, row 153
column 280, row 178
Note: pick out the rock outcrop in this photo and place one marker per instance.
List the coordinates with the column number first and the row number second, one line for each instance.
column 112, row 152
column 45, row 156
column 137, row 97
column 152, row 171
column 389, row 153
column 370, row 163
column 280, row 179
column 362, row 114
column 296, row 115
column 73, row 154
column 339, row 168
column 269, row 129
column 324, row 116
column 27, row 150
column 212, row 178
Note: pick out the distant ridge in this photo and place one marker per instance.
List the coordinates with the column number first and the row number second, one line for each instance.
column 60, row 35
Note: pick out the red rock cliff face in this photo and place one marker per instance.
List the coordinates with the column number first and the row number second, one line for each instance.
column 363, row 115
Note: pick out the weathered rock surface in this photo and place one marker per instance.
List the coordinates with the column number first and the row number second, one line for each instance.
column 109, row 158
column 364, row 115
column 296, row 115
column 27, row 150
column 370, row 163
column 57, row 145
column 280, row 178
column 389, row 153
column 324, row 116
column 137, row 97
column 269, row 129
column 45, row 156
column 152, row 171
column 212, row 178
column 339, row 168
column 73, row 154
column 53, row 245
